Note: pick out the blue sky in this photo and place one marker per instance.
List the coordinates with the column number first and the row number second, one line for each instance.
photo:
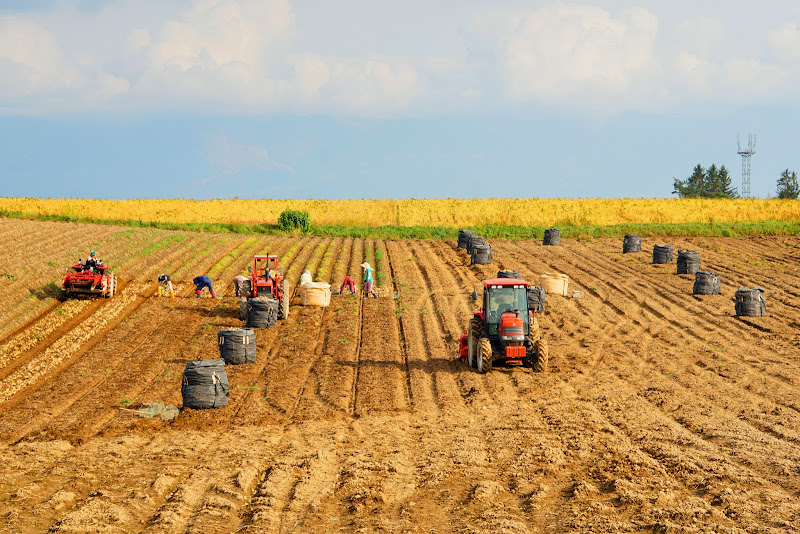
column 385, row 99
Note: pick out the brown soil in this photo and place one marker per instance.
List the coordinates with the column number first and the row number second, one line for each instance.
column 661, row 411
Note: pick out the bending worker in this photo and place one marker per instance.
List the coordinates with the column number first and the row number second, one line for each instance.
column 349, row 283
column 165, row 285
column 369, row 281
column 238, row 284
column 200, row 282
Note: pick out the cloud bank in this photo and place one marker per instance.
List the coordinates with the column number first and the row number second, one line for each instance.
column 223, row 57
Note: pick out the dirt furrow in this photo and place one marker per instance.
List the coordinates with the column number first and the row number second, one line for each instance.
column 412, row 304
column 381, row 369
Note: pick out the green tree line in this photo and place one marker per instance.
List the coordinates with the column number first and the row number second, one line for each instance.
column 714, row 182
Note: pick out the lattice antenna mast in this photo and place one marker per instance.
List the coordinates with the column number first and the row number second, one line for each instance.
column 746, row 154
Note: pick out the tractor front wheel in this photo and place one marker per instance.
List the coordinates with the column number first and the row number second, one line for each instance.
column 474, row 334
column 485, row 355
column 542, row 355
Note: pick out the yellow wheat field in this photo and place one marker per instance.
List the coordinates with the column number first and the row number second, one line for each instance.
column 453, row 213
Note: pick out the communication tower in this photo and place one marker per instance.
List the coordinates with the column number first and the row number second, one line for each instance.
column 746, row 154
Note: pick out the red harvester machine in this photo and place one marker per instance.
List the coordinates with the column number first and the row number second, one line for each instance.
column 266, row 280
column 85, row 279
column 504, row 330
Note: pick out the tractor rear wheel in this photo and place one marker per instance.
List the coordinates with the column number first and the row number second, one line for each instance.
column 485, row 356
column 283, row 310
column 111, row 287
column 474, row 334
column 542, row 355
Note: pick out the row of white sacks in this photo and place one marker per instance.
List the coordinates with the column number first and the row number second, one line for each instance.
column 313, row 293
column 319, row 293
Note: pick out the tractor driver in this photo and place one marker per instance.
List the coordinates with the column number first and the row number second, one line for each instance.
column 502, row 301
column 92, row 262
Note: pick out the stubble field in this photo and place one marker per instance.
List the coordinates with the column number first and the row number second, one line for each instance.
column 661, row 411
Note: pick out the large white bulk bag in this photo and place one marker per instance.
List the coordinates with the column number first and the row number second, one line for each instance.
column 315, row 294
column 555, row 284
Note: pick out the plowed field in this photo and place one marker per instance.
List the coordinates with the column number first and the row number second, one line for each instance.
column 661, row 411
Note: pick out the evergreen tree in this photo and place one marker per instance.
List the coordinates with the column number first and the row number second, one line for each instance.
column 711, row 182
column 697, row 181
column 693, row 186
column 714, row 182
column 788, row 186
column 726, row 188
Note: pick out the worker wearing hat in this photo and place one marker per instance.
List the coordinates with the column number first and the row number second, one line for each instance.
column 369, row 281
column 92, row 261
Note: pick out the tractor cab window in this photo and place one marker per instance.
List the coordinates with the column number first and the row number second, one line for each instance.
column 505, row 299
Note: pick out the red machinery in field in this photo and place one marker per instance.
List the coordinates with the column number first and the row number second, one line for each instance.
column 266, row 280
column 89, row 279
column 504, row 329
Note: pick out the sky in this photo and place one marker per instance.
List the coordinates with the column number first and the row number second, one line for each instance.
column 385, row 99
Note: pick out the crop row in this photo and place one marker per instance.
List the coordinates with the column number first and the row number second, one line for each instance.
column 450, row 213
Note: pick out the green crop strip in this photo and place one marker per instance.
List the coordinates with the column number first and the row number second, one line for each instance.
column 720, row 229
column 162, row 244
column 222, row 264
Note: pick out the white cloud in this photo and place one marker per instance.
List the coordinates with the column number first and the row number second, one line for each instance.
column 785, row 41
column 229, row 158
column 217, row 33
column 701, row 35
column 138, row 39
column 372, row 85
column 729, row 81
column 311, row 73
column 30, row 59
column 253, row 56
column 578, row 53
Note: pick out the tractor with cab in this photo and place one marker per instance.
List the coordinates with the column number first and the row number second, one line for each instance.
column 505, row 329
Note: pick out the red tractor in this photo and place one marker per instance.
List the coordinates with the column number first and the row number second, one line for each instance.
column 266, row 280
column 505, row 329
column 89, row 279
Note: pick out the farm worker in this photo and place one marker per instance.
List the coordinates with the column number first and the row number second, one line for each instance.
column 348, row 283
column 305, row 278
column 200, row 282
column 369, row 280
column 92, row 261
column 238, row 284
column 165, row 284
